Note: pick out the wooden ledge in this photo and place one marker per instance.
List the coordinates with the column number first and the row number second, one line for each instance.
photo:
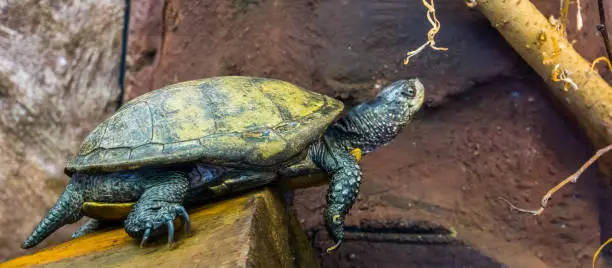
column 252, row 230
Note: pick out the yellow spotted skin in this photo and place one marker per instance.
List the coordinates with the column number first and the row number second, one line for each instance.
column 356, row 152
column 234, row 121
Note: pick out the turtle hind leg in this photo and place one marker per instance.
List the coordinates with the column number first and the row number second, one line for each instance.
column 158, row 206
column 93, row 225
column 66, row 210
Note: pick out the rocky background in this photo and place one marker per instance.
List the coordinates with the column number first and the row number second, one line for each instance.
column 58, row 79
column 489, row 131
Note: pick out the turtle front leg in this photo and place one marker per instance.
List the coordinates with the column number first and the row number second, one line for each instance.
column 158, row 206
column 345, row 175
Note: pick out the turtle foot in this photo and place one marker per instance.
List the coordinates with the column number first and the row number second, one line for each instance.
column 155, row 221
column 88, row 227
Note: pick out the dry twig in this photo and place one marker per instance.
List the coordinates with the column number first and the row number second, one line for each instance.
column 600, row 59
column 599, row 251
column 542, row 44
column 572, row 178
column 563, row 11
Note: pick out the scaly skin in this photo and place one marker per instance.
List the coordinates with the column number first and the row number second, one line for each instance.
column 160, row 193
column 91, row 226
column 367, row 127
column 158, row 205
column 159, row 196
column 161, row 190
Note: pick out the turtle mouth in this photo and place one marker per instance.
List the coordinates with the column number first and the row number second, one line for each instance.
column 419, row 91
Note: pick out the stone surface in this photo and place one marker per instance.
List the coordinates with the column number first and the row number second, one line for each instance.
column 58, row 78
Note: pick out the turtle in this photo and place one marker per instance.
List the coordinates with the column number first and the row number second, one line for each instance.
column 188, row 141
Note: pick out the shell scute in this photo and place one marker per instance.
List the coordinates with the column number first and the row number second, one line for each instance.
column 131, row 129
column 141, row 152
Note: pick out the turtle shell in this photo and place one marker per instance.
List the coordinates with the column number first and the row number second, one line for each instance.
column 234, row 121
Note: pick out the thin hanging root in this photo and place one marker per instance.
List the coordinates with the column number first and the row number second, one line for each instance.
column 572, row 178
column 578, row 15
column 431, row 17
column 563, row 11
column 600, row 59
column 599, row 251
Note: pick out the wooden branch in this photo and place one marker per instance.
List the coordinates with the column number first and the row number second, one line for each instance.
column 569, row 76
column 252, row 230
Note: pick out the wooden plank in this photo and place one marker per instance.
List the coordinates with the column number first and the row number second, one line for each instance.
column 255, row 229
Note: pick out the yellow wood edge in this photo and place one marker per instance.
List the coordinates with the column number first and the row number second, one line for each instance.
column 104, row 241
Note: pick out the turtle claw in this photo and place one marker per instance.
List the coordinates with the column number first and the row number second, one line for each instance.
column 170, row 232
column 146, row 235
column 334, row 247
column 181, row 212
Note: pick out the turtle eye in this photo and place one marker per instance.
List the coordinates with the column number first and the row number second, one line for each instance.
column 409, row 92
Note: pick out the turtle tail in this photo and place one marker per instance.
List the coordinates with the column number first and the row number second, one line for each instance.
column 66, row 210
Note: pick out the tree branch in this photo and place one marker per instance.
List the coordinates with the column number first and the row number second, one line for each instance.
column 569, row 76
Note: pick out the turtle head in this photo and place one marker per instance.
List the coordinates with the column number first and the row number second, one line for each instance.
column 401, row 100
column 379, row 121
